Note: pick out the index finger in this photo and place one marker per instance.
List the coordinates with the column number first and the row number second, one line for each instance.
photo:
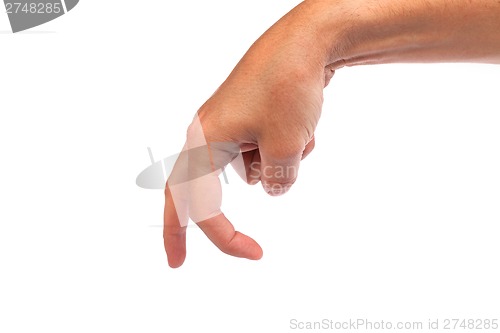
column 174, row 234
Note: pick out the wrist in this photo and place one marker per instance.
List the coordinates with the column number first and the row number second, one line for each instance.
column 354, row 32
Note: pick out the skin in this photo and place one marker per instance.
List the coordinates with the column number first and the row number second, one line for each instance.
column 271, row 102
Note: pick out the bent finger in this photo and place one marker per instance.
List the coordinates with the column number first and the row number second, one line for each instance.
column 279, row 167
column 222, row 233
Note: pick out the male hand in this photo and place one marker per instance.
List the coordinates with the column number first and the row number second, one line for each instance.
column 262, row 119
column 269, row 106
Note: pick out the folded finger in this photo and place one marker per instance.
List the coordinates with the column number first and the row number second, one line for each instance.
column 222, row 233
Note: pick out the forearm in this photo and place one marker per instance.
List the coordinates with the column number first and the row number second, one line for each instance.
column 385, row 31
column 355, row 32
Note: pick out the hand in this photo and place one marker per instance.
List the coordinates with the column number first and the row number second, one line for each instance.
column 269, row 106
column 262, row 118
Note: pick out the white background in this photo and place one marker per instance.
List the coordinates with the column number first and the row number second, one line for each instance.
column 395, row 215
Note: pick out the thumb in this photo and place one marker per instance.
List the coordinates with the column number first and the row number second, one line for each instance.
column 279, row 167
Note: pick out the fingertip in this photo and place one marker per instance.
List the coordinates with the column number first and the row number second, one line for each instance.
column 175, row 262
column 243, row 246
column 175, row 247
column 258, row 253
column 252, row 249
